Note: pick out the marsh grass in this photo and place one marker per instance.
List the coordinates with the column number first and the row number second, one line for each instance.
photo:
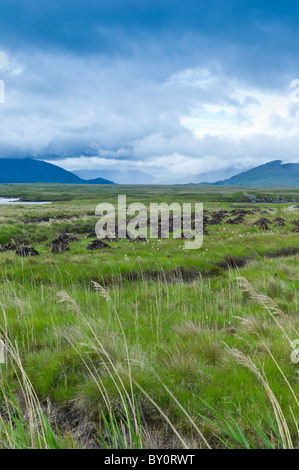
column 150, row 346
column 271, row 426
column 154, row 351
column 23, row 422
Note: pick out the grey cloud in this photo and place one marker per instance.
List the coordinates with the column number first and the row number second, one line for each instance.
column 66, row 106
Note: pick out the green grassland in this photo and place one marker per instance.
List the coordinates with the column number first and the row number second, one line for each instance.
column 148, row 344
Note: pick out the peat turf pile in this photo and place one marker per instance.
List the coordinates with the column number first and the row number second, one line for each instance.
column 25, row 251
column 97, row 245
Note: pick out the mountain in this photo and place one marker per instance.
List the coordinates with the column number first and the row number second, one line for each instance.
column 120, row 177
column 209, row 177
column 27, row 170
column 274, row 173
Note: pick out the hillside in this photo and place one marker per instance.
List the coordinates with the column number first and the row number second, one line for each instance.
column 270, row 174
column 27, row 170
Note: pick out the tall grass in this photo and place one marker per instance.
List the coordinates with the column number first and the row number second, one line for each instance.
column 123, row 429
column 23, row 422
column 274, row 432
column 116, row 372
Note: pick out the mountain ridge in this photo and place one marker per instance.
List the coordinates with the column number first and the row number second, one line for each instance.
column 273, row 173
column 28, row 170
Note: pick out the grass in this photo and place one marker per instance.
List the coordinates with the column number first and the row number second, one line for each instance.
column 148, row 345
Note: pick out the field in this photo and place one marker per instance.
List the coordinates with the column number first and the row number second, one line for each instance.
column 149, row 345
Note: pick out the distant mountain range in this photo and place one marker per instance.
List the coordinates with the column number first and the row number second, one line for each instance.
column 118, row 176
column 27, row 170
column 210, row 176
column 274, row 173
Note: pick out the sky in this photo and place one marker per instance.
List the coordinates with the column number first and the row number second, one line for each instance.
column 179, row 89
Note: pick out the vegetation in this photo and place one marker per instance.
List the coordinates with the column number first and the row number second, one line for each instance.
column 148, row 345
